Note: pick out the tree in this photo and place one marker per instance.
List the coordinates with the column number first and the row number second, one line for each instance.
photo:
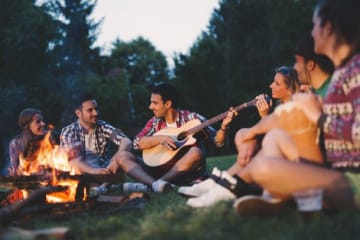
column 236, row 56
column 140, row 60
column 73, row 50
column 137, row 64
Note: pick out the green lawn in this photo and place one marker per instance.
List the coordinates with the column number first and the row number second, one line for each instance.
column 165, row 216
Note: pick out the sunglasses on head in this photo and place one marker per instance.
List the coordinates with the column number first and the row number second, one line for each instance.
column 284, row 70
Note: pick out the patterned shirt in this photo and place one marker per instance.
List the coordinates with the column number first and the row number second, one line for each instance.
column 74, row 134
column 342, row 122
column 155, row 124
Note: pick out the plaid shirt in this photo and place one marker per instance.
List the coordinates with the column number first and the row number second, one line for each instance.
column 155, row 124
column 74, row 134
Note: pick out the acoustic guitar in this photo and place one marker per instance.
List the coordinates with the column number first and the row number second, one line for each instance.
column 184, row 136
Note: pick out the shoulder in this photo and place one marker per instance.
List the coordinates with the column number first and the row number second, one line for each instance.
column 71, row 128
column 16, row 141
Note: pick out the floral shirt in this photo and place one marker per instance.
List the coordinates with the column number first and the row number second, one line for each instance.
column 74, row 135
column 342, row 116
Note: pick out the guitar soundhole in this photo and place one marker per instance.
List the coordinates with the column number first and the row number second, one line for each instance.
column 182, row 136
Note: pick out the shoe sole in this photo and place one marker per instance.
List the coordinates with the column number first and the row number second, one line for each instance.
column 257, row 206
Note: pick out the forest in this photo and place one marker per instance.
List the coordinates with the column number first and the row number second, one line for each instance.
column 47, row 56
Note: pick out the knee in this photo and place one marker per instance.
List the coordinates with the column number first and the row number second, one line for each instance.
column 239, row 136
column 122, row 156
column 272, row 137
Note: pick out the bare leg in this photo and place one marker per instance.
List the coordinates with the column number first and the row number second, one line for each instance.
column 277, row 143
column 245, row 151
column 284, row 177
column 189, row 161
column 127, row 162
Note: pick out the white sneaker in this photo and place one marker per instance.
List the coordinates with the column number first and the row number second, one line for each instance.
column 199, row 189
column 160, row 186
column 130, row 187
column 214, row 195
column 258, row 205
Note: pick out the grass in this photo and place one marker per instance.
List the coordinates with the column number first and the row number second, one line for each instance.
column 165, row 216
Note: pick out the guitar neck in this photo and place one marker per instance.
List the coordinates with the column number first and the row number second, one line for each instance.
column 220, row 117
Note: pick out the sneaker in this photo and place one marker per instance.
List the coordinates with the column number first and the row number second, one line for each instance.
column 257, row 205
column 200, row 188
column 97, row 191
column 130, row 187
column 214, row 195
column 160, row 186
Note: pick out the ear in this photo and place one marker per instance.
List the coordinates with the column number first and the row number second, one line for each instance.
column 328, row 28
column 310, row 64
column 78, row 112
column 168, row 104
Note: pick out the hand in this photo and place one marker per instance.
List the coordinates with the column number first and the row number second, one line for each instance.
column 229, row 117
column 310, row 104
column 101, row 171
column 245, row 152
column 167, row 142
column 262, row 105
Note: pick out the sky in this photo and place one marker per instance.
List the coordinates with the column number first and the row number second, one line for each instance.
column 170, row 25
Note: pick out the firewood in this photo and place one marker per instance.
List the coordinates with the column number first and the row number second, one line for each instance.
column 48, row 233
column 11, row 211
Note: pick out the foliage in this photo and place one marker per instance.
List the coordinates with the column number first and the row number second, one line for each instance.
column 236, row 56
column 140, row 61
column 73, row 51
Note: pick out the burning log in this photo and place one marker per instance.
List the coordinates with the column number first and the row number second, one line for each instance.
column 11, row 211
column 20, row 181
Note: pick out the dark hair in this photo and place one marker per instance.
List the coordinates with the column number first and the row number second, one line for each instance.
column 167, row 92
column 291, row 77
column 305, row 48
column 24, row 120
column 26, row 116
column 81, row 98
column 344, row 17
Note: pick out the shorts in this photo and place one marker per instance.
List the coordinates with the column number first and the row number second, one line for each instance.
column 198, row 173
column 353, row 179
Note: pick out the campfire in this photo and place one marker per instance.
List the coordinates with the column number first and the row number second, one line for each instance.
column 47, row 162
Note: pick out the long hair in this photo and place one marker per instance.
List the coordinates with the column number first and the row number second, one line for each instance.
column 344, row 17
column 24, row 120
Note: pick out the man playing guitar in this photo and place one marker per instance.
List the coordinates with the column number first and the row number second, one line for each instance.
column 187, row 163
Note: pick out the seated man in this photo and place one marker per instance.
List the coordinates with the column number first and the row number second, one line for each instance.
column 91, row 137
column 177, row 164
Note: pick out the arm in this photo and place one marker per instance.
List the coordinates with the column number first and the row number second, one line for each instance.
column 14, row 153
column 221, row 133
column 145, row 139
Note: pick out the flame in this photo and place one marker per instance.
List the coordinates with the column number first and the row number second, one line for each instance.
column 49, row 156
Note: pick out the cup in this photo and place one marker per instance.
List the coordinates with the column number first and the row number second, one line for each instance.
column 309, row 200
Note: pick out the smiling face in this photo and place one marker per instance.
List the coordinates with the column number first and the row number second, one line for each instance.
column 279, row 89
column 37, row 125
column 158, row 106
column 88, row 113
